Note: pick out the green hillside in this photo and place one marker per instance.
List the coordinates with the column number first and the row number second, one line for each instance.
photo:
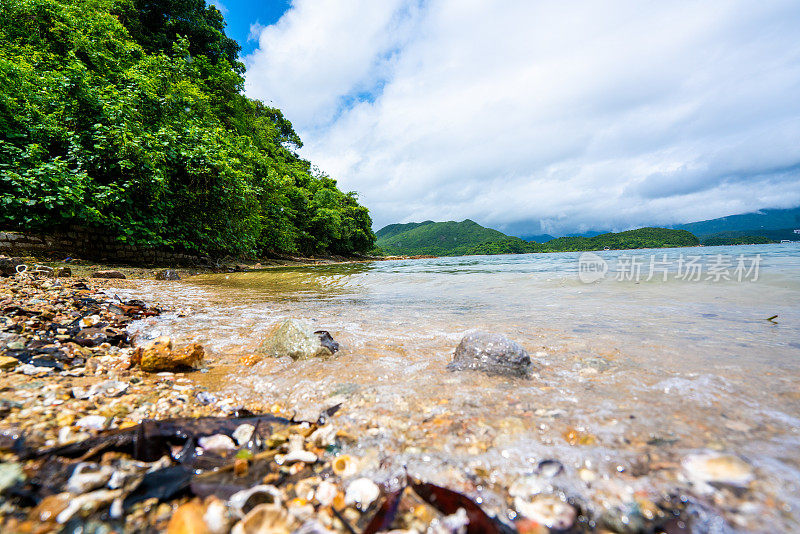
column 449, row 238
column 639, row 238
column 467, row 238
column 394, row 229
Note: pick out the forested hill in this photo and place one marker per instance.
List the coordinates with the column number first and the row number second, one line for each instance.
column 469, row 238
column 436, row 238
column 129, row 116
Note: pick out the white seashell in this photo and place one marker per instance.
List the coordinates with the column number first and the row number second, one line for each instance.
column 243, row 433
column 361, row 492
column 345, row 466
column 216, row 443
column 88, row 476
column 326, row 493
column 265, row 519
column 548, row 510
column 243, row 501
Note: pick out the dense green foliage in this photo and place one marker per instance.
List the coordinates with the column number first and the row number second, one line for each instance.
column 128, row 116
column 469, row 238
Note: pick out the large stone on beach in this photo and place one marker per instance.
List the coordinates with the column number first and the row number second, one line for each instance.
column 299, row 341
column 7, row 362
column 8, row 266
column 108, row 274
column 493, row 354
column 159, row 355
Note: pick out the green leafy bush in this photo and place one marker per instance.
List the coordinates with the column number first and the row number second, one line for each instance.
column 128, row 116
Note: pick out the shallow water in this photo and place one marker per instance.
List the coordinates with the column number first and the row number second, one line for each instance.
column 633, row 375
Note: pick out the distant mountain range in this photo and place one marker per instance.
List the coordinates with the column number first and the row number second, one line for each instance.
column 467, row 237
column 772, row 221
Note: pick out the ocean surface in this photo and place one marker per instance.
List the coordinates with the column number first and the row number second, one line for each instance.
column 644, row 357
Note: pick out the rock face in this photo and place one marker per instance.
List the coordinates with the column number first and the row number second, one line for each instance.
column 493, row 354
column 108, row 274
column 299, row 341
column 158, row 355
column 168, row 274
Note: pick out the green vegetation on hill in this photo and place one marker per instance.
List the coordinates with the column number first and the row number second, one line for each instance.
column 733, row 238
column 128, row 116
column 639, row 238
column 439, row 239
column 469, row 238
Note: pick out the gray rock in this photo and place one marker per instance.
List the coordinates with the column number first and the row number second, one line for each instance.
column 299, row 341
column 8, row 266
column 168, row 274
column 493, row 354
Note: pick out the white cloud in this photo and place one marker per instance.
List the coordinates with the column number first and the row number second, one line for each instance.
column 547, row 116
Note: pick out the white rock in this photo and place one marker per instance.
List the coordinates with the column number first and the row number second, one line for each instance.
column 92, row 422
column 325, row 493
column 548, row 510
column 216, row 443
column 216, row 517
column 702, row 469
column 243, row 433
column 361, row 492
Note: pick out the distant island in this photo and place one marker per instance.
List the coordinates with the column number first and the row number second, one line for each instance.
column 468, row 238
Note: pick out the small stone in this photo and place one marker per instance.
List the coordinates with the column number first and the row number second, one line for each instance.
column 548, row 510
column 217, row 443
column 108, row 274
column 188, row 519
column 49, row 507
column 361, row 492
column 158, row 355
column 240, row 467
column 493, row 354
column 7, row 362
column 92, row 422
column 728, row 469
column 216, row 516
column 167, row 274
column 243, row 433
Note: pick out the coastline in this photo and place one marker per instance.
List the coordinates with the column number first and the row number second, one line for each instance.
column 44, row 402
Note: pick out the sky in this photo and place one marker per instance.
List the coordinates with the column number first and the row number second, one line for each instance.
column 538, row 117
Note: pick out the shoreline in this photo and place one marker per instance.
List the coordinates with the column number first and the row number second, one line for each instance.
column 40, row 403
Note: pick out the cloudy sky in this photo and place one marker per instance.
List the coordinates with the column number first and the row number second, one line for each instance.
column 533, row 116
